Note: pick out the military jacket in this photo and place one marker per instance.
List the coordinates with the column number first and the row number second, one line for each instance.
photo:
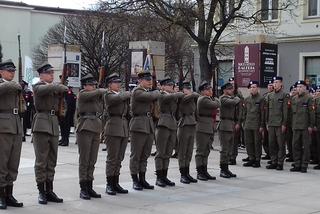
column 140, row 106
column 277, row 108
column 46, row 100
column 302, row 112
column 317, row 112
column 253, row 112
column 168, row 107
column 205, row 107
column 88, row 107
column 10, row 93
column 117, row 107
column 187, row 110
column 228, row 112
column 290, row 112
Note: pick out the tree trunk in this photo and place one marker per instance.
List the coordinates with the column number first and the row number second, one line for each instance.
column 205, row 67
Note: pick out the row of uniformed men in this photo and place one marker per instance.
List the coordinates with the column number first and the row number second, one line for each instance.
column 45, row 131
column 295, row 115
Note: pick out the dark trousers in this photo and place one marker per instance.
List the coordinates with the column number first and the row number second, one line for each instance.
column 301, row 147
column 277, row 146
column 116, row 148
column 226, row 142
column 253, row 144
column 165, row 141
column 186, row 136
column 10, row 152
column 203, row 143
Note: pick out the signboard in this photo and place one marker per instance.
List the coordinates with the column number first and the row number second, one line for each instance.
column 255, row 62
column 136, row 62
column 73, row 68
column 269, row 62
column 246, row 64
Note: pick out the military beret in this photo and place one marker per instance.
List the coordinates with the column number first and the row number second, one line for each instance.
column 145, row 75
column 7, row 65
column 270, row 82
column 204, row 85
column 318, row 87
column 113, row 78
column 277, row 78
column 45, row 68
column 167, row 81
column 292, row 87
column 253, row 82
column 186, row 84
column 231, row 79
column 88, row 79
column 300, row 82
column 227, row 86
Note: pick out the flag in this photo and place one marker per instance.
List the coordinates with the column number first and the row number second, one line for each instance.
column 147, row 63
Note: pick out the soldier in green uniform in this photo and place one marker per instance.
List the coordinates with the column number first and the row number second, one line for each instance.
column 88, row 131
column 117, row 132
column 253, row 120
column 166, row 132
column 289, row 133
column 141, row 129
column 302, row 126
column 204, row 129
column 265, row 140
column 186, row 132
column 229, row 123
column 276, row 119
column 317, row 124
column 239, row 134
column 45, row 129
column 10, row 133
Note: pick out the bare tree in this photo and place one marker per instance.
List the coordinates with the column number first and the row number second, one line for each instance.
column 204, row 20
column 1, row 53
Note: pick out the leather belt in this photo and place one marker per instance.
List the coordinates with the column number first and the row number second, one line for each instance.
column 148, row 114
column 51, row 112
column 88, row 114
column 226, row 118
column 117, row 115
column 11, row 111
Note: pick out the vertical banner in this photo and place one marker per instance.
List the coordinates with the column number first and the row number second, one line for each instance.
column 74, row 69
column 28, row 72
column 269, row 63
column 246, row 64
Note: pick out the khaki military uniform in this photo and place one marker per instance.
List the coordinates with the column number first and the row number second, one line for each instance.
column 302, row 118
column 166, row 133
column 289, row 134
column 265, row 140
column 238, row 135
column 186, row 129
column 228, row 120
column 116, row 129
column 253, row 120
column 277, row 116
column 88, row 131
column 204, row 128
column 45, row 129
column 317, row 124
column 141, row 128
column 10, row 132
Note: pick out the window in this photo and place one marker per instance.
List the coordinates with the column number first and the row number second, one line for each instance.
column 313, row 8
column 269, row 10
column 312, row 69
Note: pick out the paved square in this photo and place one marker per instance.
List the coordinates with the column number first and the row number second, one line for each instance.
column 254, row 191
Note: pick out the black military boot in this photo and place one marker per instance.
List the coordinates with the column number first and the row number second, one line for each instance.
column 42, row 198
column 223, row 171
column 143, row 182
column 249, row 163
column 246, row 159
column 117, row 186
column 136, row 184
column 317, row 167
column 51, row 196
column 200, row 174
column 230, row 173
column 110, row 187
column 166, row 180
column 279, row 167
column 184, row 179
column 3, row 203
column 303, row 170
column 266, row 157
column 191, row 179
column 256, row 164
column 91, row 192
column 205, row 171
column 295, row 169
column 160, row 181
column 272, row 166
column 84, row 190
column 10, row 200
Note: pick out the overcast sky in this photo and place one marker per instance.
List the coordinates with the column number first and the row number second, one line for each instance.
column 74, row 4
